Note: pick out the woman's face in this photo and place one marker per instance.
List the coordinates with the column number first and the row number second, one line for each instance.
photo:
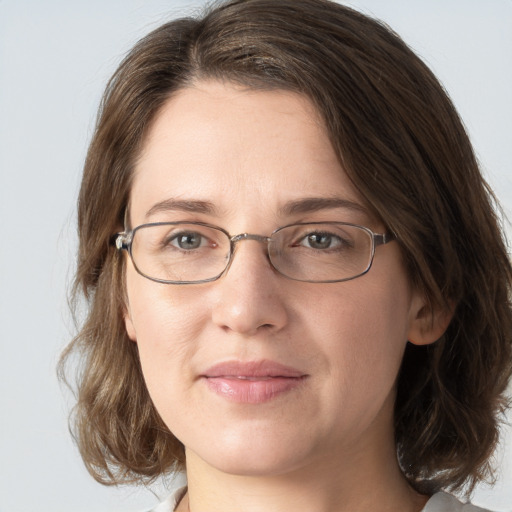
column 307, row 371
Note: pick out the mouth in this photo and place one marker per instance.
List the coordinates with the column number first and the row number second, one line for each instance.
column 252, row 382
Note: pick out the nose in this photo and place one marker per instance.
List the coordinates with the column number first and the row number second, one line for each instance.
column 249, row 296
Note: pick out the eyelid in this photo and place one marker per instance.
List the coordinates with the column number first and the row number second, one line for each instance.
column 297, row 225
column 333, row 233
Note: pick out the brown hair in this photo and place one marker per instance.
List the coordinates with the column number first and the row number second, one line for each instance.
column 404, row 147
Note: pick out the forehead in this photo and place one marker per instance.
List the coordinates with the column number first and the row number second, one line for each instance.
column 238, row 149
column 235, row 121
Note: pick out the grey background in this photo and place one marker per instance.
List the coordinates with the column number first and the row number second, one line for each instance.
column 55, row 57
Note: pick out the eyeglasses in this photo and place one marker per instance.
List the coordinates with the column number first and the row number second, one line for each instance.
column 195, row 252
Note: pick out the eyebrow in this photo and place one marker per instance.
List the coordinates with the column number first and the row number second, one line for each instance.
column 193, row 206
column 315, row 204
column 305, row 205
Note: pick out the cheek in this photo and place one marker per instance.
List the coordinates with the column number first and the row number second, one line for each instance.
column 363, row 310
column 363, row 332
column 166, row 325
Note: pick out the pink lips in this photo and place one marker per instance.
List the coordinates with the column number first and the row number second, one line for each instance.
column 252, row 382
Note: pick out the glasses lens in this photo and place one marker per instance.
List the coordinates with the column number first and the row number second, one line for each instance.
column 322, row 252
column 180, row 252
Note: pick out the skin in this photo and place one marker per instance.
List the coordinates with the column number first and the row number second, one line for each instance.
column 326, row 445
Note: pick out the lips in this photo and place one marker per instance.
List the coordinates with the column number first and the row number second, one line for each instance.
column 252, row 382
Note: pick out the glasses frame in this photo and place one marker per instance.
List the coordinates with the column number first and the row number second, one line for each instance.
column 123, row 241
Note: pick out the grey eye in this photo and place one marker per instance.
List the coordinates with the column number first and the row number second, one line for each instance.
column 188, row 241
column 321, row 241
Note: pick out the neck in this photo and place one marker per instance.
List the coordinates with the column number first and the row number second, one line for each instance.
column 365, row 480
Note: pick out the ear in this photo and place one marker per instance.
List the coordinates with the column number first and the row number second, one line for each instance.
column 130, row 329
column 427, row 325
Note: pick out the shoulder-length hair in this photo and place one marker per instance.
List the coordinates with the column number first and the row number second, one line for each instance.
column 401, row 142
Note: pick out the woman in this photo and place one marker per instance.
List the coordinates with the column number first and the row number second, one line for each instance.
column 298, row 289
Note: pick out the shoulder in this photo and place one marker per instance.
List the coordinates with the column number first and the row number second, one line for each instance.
column 171, row 502
column 443, row 502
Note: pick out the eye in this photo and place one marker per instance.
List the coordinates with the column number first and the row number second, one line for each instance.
column 321, row 241
column 325, row 241
column 189, row 241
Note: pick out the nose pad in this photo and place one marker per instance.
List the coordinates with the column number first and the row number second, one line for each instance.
column 249, row 294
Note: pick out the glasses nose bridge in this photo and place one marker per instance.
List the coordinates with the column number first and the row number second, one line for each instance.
column 249, row 236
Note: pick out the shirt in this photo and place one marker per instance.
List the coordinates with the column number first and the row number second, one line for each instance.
column 439, row 502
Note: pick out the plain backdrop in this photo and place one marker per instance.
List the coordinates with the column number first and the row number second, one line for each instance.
column 55, row 57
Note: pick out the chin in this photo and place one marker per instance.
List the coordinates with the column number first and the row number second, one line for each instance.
column 254, row 455
column 255, row 465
